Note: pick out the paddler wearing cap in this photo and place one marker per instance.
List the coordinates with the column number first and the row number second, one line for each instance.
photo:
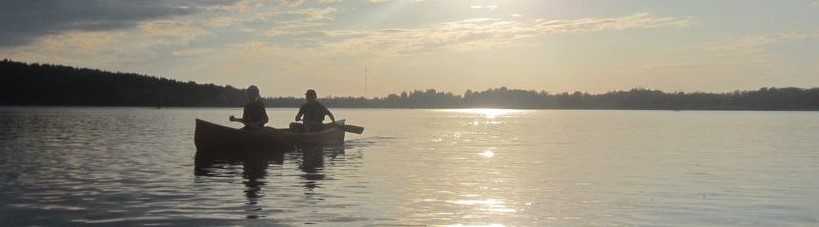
column 254, row 116
column 313, row 113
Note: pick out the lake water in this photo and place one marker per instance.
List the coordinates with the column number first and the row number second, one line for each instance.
column 135, row 166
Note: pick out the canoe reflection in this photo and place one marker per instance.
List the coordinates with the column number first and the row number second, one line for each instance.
column 312, row 164
column 310, row 161
column 259, row 176
column 253, row 193
column 253, row 163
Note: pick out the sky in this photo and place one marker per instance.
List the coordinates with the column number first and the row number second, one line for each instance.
column 288, row 46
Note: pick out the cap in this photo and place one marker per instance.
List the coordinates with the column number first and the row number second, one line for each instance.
column 311, row 92
column 253, row 89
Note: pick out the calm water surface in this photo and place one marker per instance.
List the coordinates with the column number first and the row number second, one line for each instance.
column 132, row 166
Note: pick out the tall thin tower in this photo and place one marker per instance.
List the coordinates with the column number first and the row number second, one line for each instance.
column 365, row 82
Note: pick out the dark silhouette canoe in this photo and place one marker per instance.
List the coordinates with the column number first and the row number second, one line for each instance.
column 215, row 141
column 331, row 135
column 222, row 142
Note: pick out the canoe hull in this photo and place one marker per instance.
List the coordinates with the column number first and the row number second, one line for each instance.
column 330, row 136
column 215, row 141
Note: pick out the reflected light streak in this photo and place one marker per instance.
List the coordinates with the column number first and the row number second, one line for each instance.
column 489, row 225
column 492, row 205
column 489, row 113
column 488, row 154
column 469, row 202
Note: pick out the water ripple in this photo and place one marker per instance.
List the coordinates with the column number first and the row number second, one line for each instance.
column 131, row 166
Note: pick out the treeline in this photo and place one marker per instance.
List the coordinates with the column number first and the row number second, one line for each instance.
column 635, row 99
column 24, row 84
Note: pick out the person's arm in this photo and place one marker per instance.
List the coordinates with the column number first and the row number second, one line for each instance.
column 259, row 110
column 301, row 113
column 246, row 112
column 265, row 119
column 240, row 120
column 332, row 118
column 329, row 114
column 244, row 115
column 261, row 121
column 263, row 112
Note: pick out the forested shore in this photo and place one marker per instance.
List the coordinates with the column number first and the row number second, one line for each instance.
column 26, row 84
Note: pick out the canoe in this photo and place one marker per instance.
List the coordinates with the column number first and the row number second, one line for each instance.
column 222, row 141
column 331, row 135
column 215, row 141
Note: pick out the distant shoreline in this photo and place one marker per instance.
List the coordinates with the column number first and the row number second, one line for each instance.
column 53, row 85
column 378, row 108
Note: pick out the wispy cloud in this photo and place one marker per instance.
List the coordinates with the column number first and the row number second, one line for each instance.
column 240, row 6
column 755, row 48
column 481, row 33
column 298, row 22
column 744, row 52
column 155, row 40
column 484, row 7
column 313, row 14
column 26, row 21
column 68, row 46
column 175, row 31
column 294, row 3
column 193, row 52
column 661, row 68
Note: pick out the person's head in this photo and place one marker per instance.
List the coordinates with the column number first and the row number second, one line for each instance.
column 310, row 94
column 252, row 92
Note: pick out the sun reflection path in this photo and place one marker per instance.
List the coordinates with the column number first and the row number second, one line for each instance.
column 489, row 225
column 491, row 205
column 489, row 113
column 488, row 154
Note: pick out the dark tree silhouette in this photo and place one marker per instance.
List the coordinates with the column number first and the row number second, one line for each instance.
column 52, row 85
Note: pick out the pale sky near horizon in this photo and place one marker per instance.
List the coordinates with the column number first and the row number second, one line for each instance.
column 288, row 46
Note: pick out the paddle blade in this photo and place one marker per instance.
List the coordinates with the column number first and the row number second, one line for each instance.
column 352, row 128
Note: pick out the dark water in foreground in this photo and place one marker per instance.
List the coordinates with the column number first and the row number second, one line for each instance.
column 131, row 166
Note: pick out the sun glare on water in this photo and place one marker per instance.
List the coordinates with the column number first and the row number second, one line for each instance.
column 488, row 154
column 489, row 113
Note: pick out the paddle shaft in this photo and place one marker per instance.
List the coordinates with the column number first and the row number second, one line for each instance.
column 349, row 128
column 352, row 128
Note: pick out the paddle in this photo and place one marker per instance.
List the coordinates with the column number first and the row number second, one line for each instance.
column 351, row 128
column 342, row 124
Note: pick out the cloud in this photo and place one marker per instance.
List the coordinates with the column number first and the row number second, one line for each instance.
column 71, row 48
column 24, row 21
column 484, row 7
column 294, row 3
column 754, row 48
column 222, row 21
column 739, row 53
column 193, row 52
column 300, row 21
column 316, row 14
column 661, row 68
column 172, row 31
column 481, row 33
